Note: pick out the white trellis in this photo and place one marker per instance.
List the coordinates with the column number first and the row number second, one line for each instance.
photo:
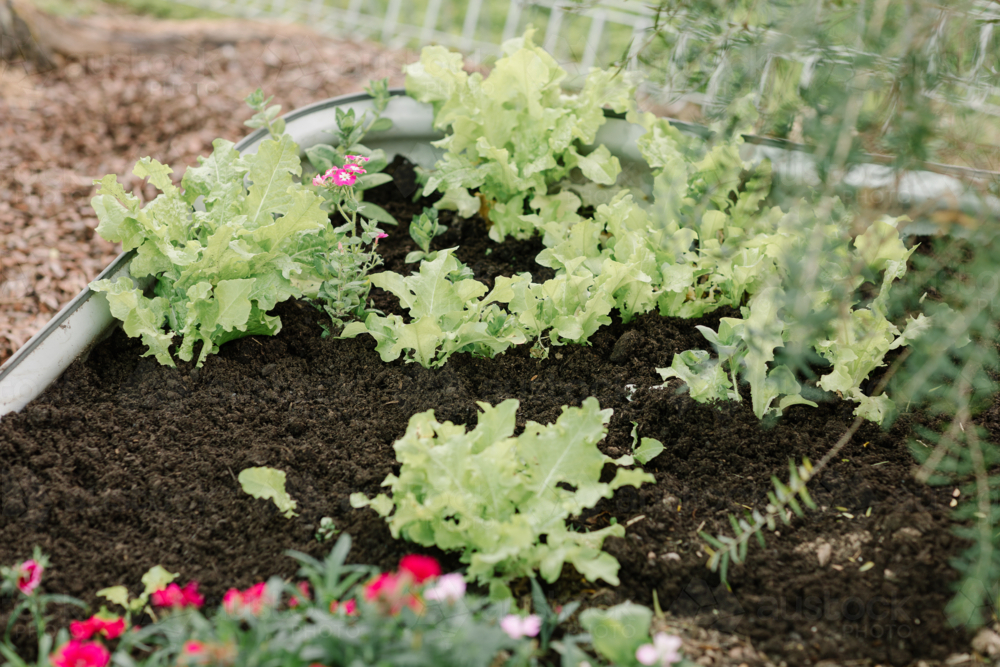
column 477, row 40
column 481, row 38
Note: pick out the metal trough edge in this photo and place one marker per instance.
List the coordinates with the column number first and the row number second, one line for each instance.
column 87, row 319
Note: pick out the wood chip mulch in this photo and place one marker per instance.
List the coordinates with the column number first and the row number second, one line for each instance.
column 61, row 129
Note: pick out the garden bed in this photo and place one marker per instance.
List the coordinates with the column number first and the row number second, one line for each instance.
column 123, row 464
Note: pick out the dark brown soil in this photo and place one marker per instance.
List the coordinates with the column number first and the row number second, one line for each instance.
column 123, row 464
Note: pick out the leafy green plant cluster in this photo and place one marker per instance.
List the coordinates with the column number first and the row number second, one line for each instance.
column 700, row 242
column 514, row 134
column 495, row 497
column 241, row 235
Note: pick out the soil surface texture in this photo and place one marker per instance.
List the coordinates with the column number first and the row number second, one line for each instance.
column 124, row 464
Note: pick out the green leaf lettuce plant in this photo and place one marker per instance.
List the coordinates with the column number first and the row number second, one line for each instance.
column 494, row 497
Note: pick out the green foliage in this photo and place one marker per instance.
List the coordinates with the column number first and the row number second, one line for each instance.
column 722, row 548
column 845, row 76
column 349, row 134
column 241, row 236
column 445, row 316
column 268, row 484
column 423, row 229
column 493, row 496
column 515, row 133
column 327, row 529
column 952, row 371
column 618, row 631
column 217, row 271
column 646, row 450
column 35, row 603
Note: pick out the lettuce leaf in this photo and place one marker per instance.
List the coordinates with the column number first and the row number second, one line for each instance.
column 503, row 501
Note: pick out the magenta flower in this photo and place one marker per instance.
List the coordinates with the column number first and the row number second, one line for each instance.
column 356, row 158
column 319, row 180
column 663, row 651
column 449, row 588
column 381, row 235
column 356, row 168
column 517, row 627
column 253, row 599
column 29, row 575
column 76, row 653
column 343, row 177
column 95, row 625
column 178, row 598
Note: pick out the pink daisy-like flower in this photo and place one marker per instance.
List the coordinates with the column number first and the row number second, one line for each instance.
column 357, row 158
column 449, row 588
column 343, row 178
column 29, row 575
column 517, row 627
column 356, row 168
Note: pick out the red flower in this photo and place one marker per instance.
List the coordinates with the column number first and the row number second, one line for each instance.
column 29, row 575
column 75, row 653
column 95, row 625
column 421, row 568
column 176, row 597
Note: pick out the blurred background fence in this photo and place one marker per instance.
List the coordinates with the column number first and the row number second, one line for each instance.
column 668, row 35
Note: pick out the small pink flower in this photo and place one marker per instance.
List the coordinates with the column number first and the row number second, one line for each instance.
column 29, row 575
column 194, row 647
column 517, row 627
column 663, row 651
column 344, row 178
column 449, row 588
column 178, row 598
column 381, row 235
column 319, row 180
column 75, row 653
column 95, row 625
column 357, row 158
column 253, row 599
column 356, row 168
